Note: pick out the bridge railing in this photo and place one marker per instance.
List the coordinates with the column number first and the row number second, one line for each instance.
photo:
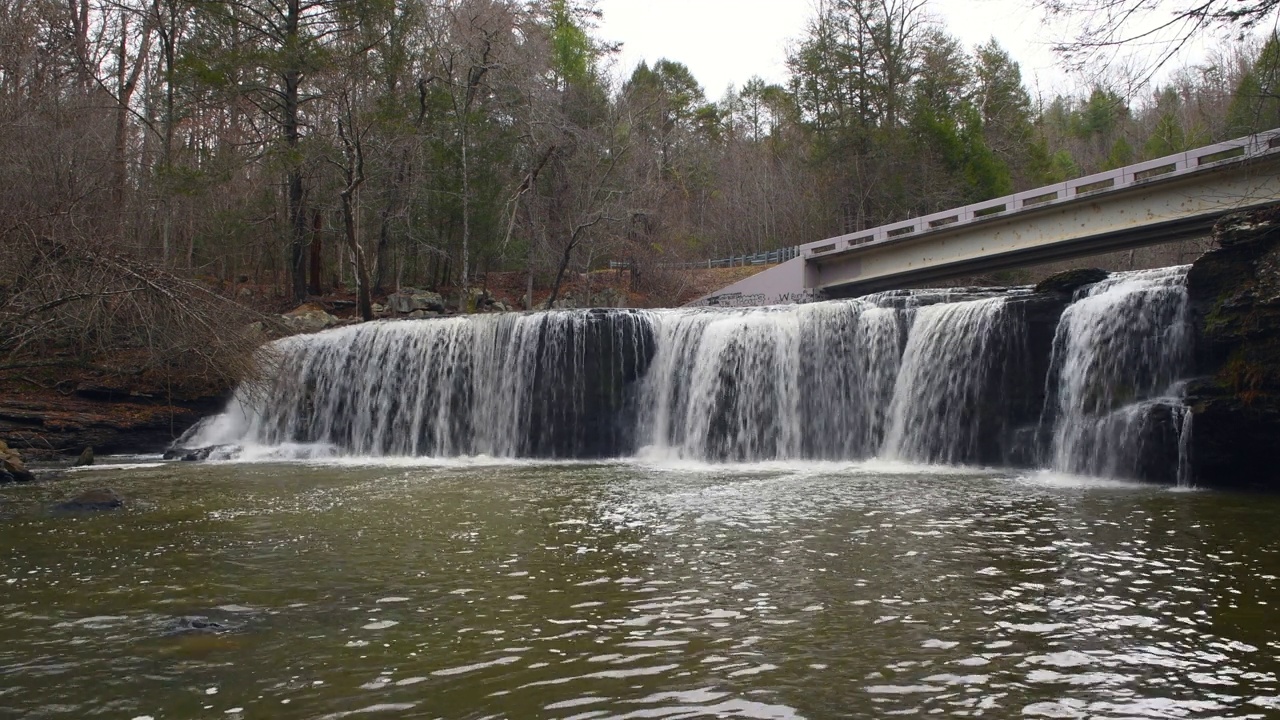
column 1191, row 161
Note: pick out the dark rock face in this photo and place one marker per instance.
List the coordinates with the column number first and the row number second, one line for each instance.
column 1154, row 449
column 92, row 501
column 49, row 425
column 1235, row 295
column 1023, row 441
column 1068, row 281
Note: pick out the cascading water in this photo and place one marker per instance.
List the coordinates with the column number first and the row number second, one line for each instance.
column 545, row 385
column 1113, row 390
column 920, row 376
column 938, row 400
column 770, row 383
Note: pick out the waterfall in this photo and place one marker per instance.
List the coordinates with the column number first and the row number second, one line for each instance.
column 942, row 398
column 549, row 385
column 1087, row 385
column 1184, row 478
column 809, row 381
column 1113, row 390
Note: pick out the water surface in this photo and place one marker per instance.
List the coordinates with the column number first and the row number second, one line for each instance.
column 628, row 590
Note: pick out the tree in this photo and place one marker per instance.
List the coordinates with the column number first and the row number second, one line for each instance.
column 1106, row 27
column 1005, row 107
column 478, row 35
column 268, row 51
column 352, row 137
column 1256, row 103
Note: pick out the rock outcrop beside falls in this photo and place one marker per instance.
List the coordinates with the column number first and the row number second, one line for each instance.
column 1235, row 294
column 111, row 419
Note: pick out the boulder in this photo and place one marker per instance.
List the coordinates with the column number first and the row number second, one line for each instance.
column 408, row 300
column 12, row 469
column 257, row 332
column 308, row 318
column 85, row 459
column 565, row 302
column 1068, row 281
column 608, row 297
column 1247, row 227
column 91, row 501
column 187, row 454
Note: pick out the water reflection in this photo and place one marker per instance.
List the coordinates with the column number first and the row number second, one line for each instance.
column 632, row 590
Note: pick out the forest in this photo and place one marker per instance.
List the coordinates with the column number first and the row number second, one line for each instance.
column 169, row 166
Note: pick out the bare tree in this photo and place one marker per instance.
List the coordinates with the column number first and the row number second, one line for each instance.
column 353, row 174
column 1105, row 29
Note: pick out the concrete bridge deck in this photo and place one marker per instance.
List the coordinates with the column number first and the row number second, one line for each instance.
column 1170, row 198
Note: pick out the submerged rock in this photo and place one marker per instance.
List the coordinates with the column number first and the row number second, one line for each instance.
column 198, row 625
column 91, row 501
column 198, row 454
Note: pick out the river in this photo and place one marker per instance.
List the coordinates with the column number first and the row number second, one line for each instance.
column 480, row 589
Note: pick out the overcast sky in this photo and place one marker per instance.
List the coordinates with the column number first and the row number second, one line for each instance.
column 728, row 41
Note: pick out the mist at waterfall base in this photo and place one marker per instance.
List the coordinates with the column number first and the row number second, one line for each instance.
column 939, row 377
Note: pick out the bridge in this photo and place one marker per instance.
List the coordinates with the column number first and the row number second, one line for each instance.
column 1177, row 197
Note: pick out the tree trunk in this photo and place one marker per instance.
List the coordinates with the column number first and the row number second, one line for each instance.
column 317, row 253
column 363, row 302
column 564, row 265
column 292, row 136
column 466, row 217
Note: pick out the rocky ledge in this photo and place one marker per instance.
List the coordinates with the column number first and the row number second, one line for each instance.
column 45, row 424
